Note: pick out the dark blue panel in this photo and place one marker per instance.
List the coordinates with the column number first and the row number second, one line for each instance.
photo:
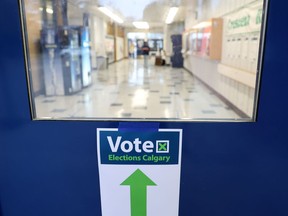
column 136, row 126
column 228, row 169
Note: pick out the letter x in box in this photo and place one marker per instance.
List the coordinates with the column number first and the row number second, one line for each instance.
column 162, row 146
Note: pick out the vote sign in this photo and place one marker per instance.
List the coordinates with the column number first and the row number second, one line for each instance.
column 139, row 171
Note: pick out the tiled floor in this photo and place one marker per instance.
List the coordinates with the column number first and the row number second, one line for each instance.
column 128, row 90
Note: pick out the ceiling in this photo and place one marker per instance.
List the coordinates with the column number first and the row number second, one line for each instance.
column 152, row 11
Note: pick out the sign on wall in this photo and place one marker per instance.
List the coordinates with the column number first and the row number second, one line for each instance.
column 246, row 20
column 139, row 171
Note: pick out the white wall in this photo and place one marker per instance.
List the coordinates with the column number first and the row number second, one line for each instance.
column 98, row 33
column 99, row 36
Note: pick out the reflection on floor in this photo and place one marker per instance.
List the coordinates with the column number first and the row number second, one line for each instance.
column 128, row 90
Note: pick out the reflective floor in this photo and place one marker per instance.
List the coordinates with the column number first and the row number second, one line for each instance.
column 128, row 90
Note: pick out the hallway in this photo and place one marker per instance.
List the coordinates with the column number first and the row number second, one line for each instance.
column 128, row 90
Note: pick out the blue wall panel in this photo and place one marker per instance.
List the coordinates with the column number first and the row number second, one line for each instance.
column 228, row 169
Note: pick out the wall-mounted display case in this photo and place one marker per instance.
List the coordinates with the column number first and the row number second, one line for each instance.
column 205, row 40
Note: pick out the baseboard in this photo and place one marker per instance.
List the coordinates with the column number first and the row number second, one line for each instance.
column 221, row 97
column 39, row 92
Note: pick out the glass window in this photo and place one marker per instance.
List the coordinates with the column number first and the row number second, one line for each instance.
column 144, row 60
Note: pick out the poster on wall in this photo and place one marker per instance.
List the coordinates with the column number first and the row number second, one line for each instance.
column 109, row 44
column 109, row 47
column 199, row 40
column 119, row 48
column 139, row 171
column 192, row 42
column 205, row 49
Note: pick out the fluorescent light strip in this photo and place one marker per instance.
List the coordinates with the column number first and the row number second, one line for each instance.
column 49, row 10
column 141, row 25
column 171, row 15
column 111, row 14
column 202, row 25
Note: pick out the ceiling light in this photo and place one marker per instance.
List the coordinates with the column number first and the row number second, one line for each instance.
column 81, row 5
column 49, row 10
column 141, row 25
column 202, row 25
column 171, row 14
column 111, row 14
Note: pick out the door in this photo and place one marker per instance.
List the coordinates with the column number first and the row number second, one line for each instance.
column 228, row 169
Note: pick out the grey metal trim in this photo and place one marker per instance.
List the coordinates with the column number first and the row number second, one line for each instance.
column 26, row 59
column 31, row 94
column 260, row 59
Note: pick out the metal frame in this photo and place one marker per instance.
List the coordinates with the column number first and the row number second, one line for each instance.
column 256, row 94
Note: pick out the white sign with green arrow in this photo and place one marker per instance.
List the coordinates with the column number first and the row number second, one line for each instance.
column 139, row 172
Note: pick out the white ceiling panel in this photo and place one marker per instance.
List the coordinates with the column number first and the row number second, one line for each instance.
column 152, row 11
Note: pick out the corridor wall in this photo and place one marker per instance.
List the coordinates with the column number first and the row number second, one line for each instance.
column 233, row 76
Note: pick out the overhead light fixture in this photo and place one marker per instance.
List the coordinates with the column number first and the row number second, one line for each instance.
column 111, row 14
column 81, row 5
column 141, row 25
column 49, row 10
column 202, row 25
column 171, row 15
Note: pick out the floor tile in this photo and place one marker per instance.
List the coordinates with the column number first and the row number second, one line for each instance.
column 127, row 90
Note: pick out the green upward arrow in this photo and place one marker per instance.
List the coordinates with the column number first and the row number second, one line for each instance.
column 138, row 183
